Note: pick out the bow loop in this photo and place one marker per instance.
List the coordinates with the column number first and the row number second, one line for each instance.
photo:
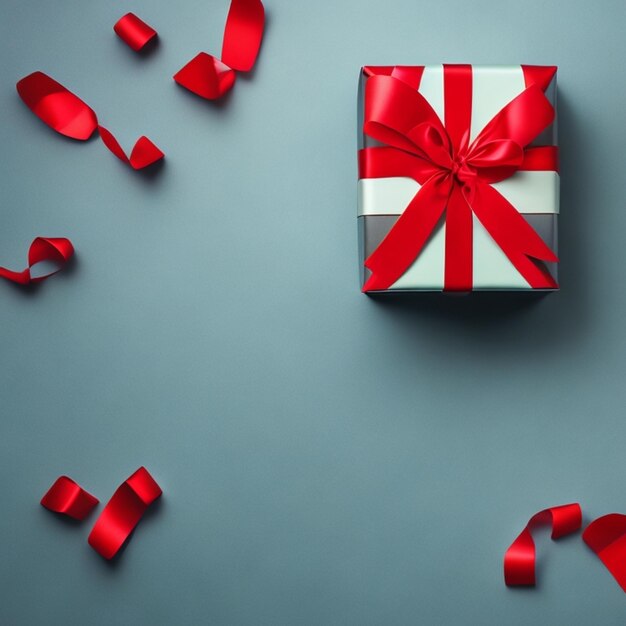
column 433, row 142
column 389, row 123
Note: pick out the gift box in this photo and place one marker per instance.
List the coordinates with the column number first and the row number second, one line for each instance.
column 458, row 178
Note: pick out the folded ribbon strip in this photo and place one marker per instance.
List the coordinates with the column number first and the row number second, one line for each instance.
column 211, row 78
column 66, row 113
column 455, row 176
column 606, row 536
column 123, row 512
column 69, row 498
column 55, row 249
column 134, row 31
column 519, row 559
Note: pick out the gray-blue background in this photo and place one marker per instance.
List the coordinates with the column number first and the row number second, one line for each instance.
column 326, row 458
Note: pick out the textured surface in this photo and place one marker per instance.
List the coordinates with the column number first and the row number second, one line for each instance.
column 325, row 458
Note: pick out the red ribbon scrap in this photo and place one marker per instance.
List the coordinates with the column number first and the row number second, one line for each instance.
column 134, row 31
column 123, row 512
column 606, row 536
column 455, row 176
column 210, row 77
column 69, row 498
column 66, row 113
column 519, row 559
column 54, row 249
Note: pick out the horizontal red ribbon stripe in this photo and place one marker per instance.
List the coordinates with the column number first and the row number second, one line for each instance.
column 57, row 250
column 519, row 559
column 68, row 115
column 134, row 31
column 209, row 77
column 606, row 536
column 69, row 498
column 123, row 512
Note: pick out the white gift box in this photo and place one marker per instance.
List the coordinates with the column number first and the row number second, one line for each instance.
column 535, row 194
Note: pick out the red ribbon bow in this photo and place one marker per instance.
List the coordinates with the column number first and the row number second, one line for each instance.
column 455, row 176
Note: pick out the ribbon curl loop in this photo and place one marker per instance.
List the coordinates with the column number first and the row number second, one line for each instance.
column 606, row 536
column 209, row 77
column 519, row 559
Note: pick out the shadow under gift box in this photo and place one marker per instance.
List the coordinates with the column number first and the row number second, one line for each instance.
column 535, row 194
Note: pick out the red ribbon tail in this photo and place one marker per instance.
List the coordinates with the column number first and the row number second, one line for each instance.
column 517, row 239
column 21, row 278
column 406, row 239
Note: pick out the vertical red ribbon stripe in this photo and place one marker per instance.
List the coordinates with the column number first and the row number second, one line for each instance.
column 519, row 559
column 123, row 512
column 69, row 498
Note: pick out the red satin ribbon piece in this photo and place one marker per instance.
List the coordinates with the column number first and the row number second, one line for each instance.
column 134, row 31
column 243, row 34
column 519, row 559
column 206, row 76
column 144, row 152
column 57, row 250
column 69, row 498
column 210, row 77
column 455, row 176
column 123, row 512
column 68, row 115
column 606, row 536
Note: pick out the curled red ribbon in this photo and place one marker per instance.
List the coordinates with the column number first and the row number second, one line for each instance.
column 519, row 559
column 69, row 498
column 455, row 176
column 134, row 31
column 66, row 113
column 123, row 512
column 209, row 77
column 606, row 536
column 57, row 250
